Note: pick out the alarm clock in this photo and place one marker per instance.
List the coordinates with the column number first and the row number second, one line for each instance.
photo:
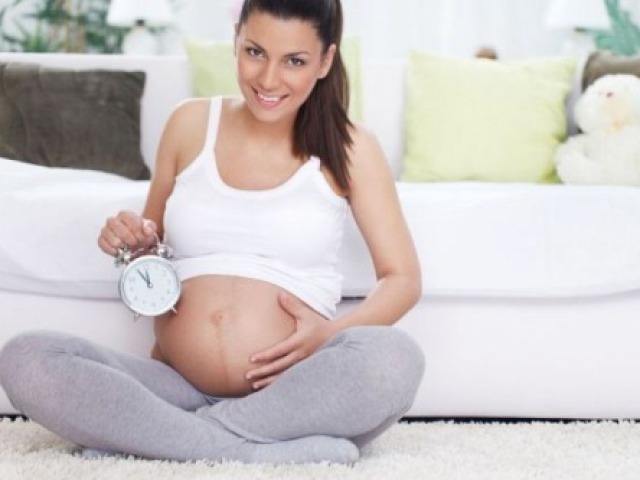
column 149, row 285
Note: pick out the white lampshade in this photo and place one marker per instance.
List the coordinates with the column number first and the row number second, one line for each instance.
column 577, row 14
column 126, row 13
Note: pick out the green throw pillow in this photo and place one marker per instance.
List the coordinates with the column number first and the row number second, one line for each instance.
column 213, row 69
column 485, row 120
column 351, row 56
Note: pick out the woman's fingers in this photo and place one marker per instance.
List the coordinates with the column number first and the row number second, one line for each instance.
column 126, row 229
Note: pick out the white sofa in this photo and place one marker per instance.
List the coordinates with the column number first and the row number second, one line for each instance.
column 531, row 300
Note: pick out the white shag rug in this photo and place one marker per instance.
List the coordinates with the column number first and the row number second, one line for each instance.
column 438, row 450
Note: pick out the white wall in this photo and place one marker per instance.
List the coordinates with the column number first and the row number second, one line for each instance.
column 389, row 28
column 211, row 19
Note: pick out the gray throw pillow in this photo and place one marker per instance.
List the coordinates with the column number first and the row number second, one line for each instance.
column 85, row 119
column 602, row 62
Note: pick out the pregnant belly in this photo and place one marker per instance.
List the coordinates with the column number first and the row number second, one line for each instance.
column 221, row 322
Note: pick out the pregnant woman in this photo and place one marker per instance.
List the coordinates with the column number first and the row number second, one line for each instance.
column 252, row 194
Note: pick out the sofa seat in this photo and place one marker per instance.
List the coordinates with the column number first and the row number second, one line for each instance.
column 53, row 218
column 521, row 240
column 514, row 240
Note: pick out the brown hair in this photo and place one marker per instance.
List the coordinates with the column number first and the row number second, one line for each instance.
column 322, row 126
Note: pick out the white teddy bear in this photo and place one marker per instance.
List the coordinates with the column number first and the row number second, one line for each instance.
column 608, row 150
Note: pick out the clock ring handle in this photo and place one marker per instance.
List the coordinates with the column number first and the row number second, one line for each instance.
column 125, row 255
column 162, row 249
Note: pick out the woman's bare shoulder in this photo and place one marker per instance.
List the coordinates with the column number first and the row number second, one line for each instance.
column 185, row 131
column 365, row 152
column 190, row 109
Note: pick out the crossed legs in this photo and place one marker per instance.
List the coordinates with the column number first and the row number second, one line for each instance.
column 351, row 390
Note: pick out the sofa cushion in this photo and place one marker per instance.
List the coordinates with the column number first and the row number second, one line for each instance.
column 67, row 118
column 470, row 119
column 52, row 219
column 481, row 239
column 603, row 62
column 213, row 69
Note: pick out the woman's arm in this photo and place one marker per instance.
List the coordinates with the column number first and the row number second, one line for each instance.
column 378, row 214
column 376, row 209
column 177, row 146
column 181, row 141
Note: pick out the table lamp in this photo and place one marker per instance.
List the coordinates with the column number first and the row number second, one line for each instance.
column 577, row 16
column 139, row 15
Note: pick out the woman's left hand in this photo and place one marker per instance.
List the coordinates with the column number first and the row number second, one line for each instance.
column 312, row 331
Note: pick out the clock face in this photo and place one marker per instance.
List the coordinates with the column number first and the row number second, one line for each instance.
column 149, row 286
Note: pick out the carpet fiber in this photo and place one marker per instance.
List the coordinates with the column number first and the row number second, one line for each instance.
column 438, row 450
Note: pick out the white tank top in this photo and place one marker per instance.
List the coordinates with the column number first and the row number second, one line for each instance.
column 289, row 235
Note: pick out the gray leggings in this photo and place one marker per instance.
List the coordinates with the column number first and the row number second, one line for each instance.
column 321, row 409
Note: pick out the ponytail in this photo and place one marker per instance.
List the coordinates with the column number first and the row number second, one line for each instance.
column 322, row 127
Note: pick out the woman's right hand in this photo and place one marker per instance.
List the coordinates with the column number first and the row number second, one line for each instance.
column 126, row 228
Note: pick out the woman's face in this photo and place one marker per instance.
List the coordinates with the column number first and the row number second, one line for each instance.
column 279, row 63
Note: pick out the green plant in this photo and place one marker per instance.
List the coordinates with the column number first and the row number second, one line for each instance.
column 71, row 26
column 26, row 41
column 624, row 36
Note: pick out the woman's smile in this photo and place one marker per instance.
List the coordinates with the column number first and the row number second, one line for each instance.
column 269, row 101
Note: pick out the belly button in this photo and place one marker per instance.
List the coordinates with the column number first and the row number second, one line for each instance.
column 219, row 317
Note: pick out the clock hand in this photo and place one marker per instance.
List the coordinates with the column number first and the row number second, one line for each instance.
column 145, row 278
column 149, row 284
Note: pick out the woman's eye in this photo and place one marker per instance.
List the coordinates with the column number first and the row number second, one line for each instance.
column 296, row 62
column 253, row 52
